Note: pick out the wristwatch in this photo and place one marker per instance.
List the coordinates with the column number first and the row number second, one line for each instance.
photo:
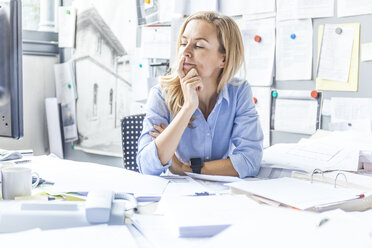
column 196, row 165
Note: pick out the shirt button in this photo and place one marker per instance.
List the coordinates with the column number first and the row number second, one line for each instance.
column 207, row 157
column 208, row 134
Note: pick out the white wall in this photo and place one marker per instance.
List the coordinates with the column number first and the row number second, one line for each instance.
column 38, row 84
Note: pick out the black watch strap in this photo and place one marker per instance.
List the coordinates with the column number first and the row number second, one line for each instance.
column 196, row 165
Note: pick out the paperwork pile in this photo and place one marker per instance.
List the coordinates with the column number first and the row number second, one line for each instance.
column 337, row 151
column 298, row 193
column 205, row 216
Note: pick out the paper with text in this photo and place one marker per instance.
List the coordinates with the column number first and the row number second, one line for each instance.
column 294, row 47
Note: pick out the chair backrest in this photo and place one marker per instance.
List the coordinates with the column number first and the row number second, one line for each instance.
column 131, row 128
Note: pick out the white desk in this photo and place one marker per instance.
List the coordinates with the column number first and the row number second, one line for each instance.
column 272, row 227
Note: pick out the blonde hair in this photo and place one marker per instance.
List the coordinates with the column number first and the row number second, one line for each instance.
column 231, row 44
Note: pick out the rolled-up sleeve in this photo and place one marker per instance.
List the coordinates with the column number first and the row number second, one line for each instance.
column 156, row 113
column 247, row 135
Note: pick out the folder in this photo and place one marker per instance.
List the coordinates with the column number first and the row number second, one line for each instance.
column 343, row 179
column 299, row 194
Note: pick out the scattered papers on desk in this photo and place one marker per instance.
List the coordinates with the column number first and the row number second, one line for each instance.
column 205, row 216
column 293, row 229
column 308, row 157
column 297, row 193
column 156, row 230
column 72, row 176
column 225, row 179
column 9, row 155
column 92, row 236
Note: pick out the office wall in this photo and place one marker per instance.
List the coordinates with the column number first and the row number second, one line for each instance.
column 38, row 84
column 365, row 73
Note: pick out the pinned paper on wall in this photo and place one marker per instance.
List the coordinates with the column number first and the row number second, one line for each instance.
column 294, row 48
column 366, row 52
column 262, row 100
column 352, row 82
column 188, row 7
column 242, row 7
column 66, row 26
column 259, row 50
column 354, row 7
column 301, row 9
column 155, row 41
column 335, row 52
column 296, row 111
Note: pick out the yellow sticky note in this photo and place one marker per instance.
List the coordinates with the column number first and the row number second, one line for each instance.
column 352, row 83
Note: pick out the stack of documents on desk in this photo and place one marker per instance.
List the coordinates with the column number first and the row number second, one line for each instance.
column 205, row 216
column 72, row 176
column 298, row 193
column 337, row 151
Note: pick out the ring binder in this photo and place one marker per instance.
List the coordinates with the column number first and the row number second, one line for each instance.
column 340, row 173
column 314, row 172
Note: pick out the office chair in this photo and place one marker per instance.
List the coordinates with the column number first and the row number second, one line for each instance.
column 131, row 128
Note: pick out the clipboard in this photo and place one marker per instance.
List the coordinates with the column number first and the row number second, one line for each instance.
column 352, row 83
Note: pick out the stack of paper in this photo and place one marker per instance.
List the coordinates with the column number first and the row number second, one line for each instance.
column 205, row 216
column 298, row 193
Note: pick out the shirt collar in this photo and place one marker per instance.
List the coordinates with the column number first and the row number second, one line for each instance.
column 224, row 94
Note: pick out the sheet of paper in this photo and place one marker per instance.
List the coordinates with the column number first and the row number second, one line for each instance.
column 331, row 152
column 294, row 50
column 90, row 236
column 204, row 216
column 355, row 7
column 188, row 7
column 259, row 55
column 288, row 228
column 72, row 176
column 366, row 52
column 153, row 228
column 348, row 109
column 240, row 7
column 297, row 193
column 351, row 114
column 66, row 26
column 155, row 42
column 352, row 83
column 296, row 116
column 214, row 178
column 263, row 107
column 335, row 53
column 301, row 9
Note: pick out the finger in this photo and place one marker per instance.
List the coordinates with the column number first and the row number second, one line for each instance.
column 154, row 134
column 192, row 80
column 163, row 126
column 192, row 73
column 180, row 70
column 195, row 85
column 159, row 129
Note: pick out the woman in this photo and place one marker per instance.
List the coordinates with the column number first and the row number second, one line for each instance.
column 199, row 119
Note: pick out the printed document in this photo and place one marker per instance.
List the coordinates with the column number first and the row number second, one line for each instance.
column 301, row 9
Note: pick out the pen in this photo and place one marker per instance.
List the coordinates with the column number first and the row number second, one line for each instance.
column 22, row 161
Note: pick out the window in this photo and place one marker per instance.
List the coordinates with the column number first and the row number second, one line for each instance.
column 111, row 100
column 99, row 45
column 95, row 96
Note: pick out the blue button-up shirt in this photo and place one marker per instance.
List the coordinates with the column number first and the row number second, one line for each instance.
column 232, row 130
